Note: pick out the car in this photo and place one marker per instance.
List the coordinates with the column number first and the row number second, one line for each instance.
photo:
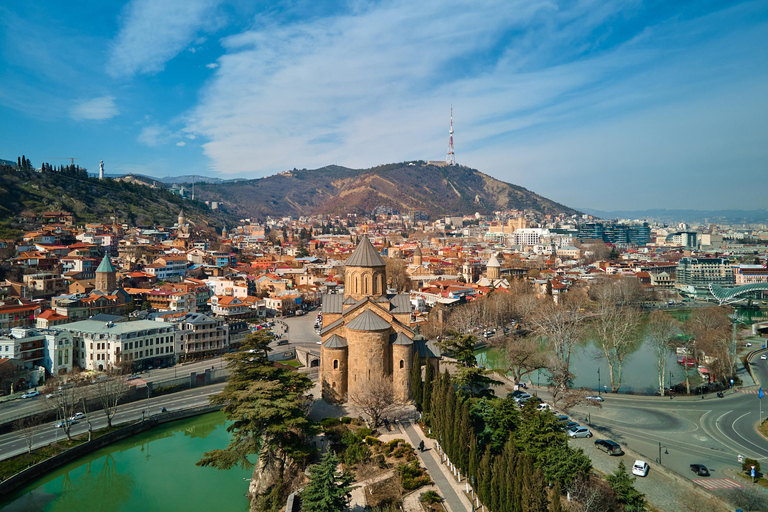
column 747, row 344
column 132, row 377
column 579, row 432
column 62, row 423
column 544, row 407
column 522, row 385
column 609, row 447
column 561, row 418
column 640, row 468
column 282, row 342
column 720, row 394
column 764, row 357
column 700, row 469
column 30, row 394
column 596, row 398
column 516, row 393
column 77, row 416
column 571, row 424
column 524, row 396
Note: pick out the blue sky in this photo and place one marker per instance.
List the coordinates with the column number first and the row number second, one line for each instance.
column 619, row 104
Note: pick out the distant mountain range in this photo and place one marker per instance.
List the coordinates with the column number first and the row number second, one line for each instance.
column 688, row 216
column 434, row 189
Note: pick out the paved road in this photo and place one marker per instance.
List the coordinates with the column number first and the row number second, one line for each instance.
column 13, row 443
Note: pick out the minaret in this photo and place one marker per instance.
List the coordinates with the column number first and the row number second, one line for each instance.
column 451, row 159
column 101, row 169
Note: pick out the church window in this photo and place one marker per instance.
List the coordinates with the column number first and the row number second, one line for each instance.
column 335, row 364
column 365, row 286
column 357, row 284
column 369, row 374
column 333, row 385
column 402, row 364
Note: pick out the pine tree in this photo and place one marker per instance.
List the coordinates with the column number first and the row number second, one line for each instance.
column 426, row 400
column 328, row 490
column 621, row 483
column 416, row 385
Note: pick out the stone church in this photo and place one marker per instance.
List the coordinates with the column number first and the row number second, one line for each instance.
column 366, row 333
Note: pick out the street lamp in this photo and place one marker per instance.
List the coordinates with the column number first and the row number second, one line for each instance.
column 665, row 451
column 598, row 381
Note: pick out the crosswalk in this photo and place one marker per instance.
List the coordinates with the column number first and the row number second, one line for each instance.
column 718, row 483
column 749, row 391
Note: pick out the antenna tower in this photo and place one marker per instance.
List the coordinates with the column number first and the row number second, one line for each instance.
column 451, row 159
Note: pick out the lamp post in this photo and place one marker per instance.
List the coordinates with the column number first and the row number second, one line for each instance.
column 665, row 451
column 598, row 381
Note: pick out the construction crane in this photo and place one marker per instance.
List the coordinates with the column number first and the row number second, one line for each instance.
column 70, row 158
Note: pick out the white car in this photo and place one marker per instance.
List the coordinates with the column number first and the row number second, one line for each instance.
column 596, row 398
column 764, row 357
column 640, row 468
column 544, row 407
column 30, row 394
column 579, row 432
column 77, row 416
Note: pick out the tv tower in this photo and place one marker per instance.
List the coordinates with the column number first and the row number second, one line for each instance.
column 451, row 159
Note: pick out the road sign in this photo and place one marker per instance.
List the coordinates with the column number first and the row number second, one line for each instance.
column 753, row 471
column 760, row 392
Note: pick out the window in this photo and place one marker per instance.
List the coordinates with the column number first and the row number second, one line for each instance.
column 335, row 364
column 402, row 364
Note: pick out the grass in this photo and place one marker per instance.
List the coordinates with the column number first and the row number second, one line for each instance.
column 763, row 428
column 294, row 363
column 762, row 481
column 10, row 467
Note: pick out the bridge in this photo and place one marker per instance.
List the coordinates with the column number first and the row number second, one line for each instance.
column 731, row 295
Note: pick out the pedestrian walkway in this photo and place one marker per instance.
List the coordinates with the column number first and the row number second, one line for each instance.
column 718, row 483
column 749, row 391
column 430, row 458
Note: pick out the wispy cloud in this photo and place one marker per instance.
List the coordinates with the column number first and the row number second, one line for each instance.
column 153, row 32
column 211, row 65
column 154, row 135
column 96, row 109
column 181, row 144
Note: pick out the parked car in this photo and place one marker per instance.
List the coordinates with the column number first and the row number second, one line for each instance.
column 544, row 407
column 523, row 396
column 747, row 344
column 596, row 398
column 77, row 416
column 30, row 394
column 571, row 424
column 720, row 394
column 282, row 342
column 609, row 447
column 640, row 468
column 561, row 418
column 132, row 377
column 700, row 469
column 516, row 393
column 764, row 357
column 579, row 432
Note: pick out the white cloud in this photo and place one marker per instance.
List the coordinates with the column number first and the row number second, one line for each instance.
column 191, row 136
column 154, row 135
column 153, row 32
column 181, row 144
column 375, row 87
column 211, row 65
column 96, row 109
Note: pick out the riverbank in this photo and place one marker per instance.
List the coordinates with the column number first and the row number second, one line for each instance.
column 45, row 466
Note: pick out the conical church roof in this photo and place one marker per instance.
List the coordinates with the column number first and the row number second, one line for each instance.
column 105, row 266
column 368, row 321
column 365, row 255
column 494, row 262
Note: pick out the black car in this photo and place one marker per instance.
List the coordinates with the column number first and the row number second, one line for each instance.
column 720, row 394
column 609, row 447
column 700, row 469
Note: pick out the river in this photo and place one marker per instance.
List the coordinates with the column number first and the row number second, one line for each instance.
column 151, row 472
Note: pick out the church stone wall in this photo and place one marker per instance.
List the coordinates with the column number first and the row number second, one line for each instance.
column 370, row 357
column 333, row 372
column 402, row 360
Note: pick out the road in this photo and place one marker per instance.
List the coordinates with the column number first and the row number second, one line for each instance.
column 13, row 443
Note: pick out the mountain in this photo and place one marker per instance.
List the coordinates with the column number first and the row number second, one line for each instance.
column 674, row 216
column 435, row 189
column 24, row 193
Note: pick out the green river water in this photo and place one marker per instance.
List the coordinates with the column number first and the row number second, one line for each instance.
column 151, row 472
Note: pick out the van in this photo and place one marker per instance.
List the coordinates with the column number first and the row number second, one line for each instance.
column 282, row 342
column 609, row 447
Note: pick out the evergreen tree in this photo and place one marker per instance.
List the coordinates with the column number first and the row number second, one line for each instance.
column 328, row 490
column 484, row 477
column 427, row 388
column 621, row 483
column 497, row 480
column 474, row 460
column 18, row 162
column 465, row 429
column 416, row 385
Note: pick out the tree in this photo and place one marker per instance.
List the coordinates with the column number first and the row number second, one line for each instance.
column 397, row 277
column 429, row 374
column 375, row 398
column 65, row 403
column 328, row 490
column 523, row 356
column 661, row 330
column 417, row 392
column 267, row 407
column 711, row 328
column 110, row 391
column 616, row 327
column 621, row 484
column 29, row 427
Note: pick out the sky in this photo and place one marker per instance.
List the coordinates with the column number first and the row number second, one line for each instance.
column 610, row 105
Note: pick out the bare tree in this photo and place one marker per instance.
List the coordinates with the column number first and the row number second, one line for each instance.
column 592, row 494
column 375, row 398
column 523, row 356
column 616, row 326
column 711, row 328
column 29, row 427
column 661, row 330
column 65, row 402
column 110, row 391
column 397, row 277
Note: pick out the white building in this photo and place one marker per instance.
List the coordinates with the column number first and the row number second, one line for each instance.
column 528, row 236
column 31, row 348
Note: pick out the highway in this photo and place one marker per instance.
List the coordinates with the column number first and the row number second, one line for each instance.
column 14, row 443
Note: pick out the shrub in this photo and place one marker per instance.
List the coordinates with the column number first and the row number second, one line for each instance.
column 346, row 420
column 330, row 422
column 356, row 453
column 413, row 476
column 364, row 432
column 430, row 498
column 372, row 441
column 349, row 438
column 747, row 466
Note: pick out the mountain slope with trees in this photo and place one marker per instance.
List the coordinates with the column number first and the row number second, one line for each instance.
column 435, row 189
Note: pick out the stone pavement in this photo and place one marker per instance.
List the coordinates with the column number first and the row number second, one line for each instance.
column 448, row 487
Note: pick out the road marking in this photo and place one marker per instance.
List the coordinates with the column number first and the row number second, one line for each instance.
column 718, row 483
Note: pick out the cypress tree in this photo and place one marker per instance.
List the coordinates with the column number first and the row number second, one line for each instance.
column 416, row 384
column 497, row 480
column 23, row 161
column 465, row 432
column 18, row 162
column 448, row 424
column 426, row 399
column 484, row 477
column 474, row 460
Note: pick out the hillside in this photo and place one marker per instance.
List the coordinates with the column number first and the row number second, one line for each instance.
column 26, row 192
column 436, row 190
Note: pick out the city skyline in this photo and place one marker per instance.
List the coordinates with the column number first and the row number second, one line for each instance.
column 620, row 106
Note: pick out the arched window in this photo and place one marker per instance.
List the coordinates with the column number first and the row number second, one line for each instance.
column 369, row 374
column 402, row 364
column 365, row 286
column 333, row 385
column 335, row 364
column 357, row 283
